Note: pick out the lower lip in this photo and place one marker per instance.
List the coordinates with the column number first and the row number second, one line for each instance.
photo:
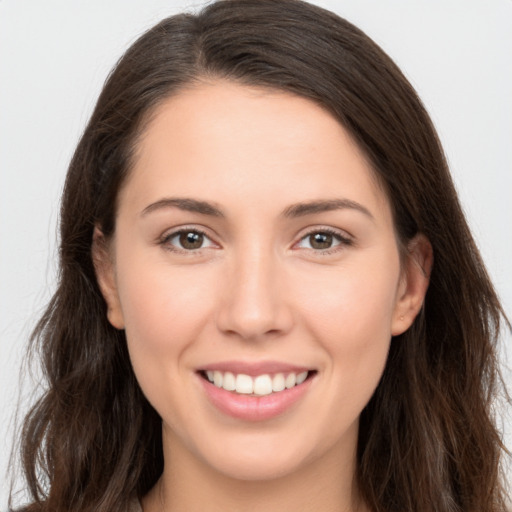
column 254, row 408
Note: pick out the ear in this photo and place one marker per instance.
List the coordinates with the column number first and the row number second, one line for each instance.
column 413, row 283
column 105, row 274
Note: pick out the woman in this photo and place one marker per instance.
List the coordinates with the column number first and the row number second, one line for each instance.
column 269, row 297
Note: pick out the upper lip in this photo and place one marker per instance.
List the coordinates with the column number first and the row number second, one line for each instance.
column 254, row 368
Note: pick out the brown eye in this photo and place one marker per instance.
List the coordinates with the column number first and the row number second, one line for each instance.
column 320, row 240
column 191, row 240
column 187, row 240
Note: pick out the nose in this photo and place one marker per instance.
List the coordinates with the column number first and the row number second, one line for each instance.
column 254, row 303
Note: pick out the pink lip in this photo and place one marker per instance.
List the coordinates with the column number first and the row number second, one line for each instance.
column 254, row 368
column 251, row 407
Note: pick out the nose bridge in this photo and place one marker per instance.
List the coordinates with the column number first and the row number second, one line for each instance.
column 254, row 301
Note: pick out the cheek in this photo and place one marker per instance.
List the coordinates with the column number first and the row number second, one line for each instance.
column 350, row 315
column 352, row 323
column 164, row 315
column 352, row 299
column 164, row 312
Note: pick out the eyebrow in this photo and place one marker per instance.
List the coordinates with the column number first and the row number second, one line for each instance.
column 187, row 204
column 312, row 207
column 292, row 211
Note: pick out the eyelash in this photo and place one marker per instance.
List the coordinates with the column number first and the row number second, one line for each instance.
column 343, row 240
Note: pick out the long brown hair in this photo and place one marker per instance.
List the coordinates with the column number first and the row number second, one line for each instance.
column 427, row 438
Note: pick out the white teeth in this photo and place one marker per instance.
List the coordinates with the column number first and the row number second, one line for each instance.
column 301, row 377
column 244, row 384
column 261, row 385
column 217, row 379
column 278, row 382
column 290, row 381
column 229, row 383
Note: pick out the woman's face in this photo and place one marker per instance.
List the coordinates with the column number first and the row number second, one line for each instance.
column 254, row 247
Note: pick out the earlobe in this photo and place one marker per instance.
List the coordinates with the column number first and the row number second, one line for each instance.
column 414, row 283
column 105, row 274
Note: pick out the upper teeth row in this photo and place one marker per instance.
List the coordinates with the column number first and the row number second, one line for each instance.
column 260, row 385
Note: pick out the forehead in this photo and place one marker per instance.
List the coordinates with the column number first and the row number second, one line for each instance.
column 222, row 138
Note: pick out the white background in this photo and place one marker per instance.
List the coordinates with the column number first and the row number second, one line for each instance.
column 55, row 55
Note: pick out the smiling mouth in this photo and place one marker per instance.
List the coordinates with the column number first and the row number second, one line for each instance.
column 260, row 385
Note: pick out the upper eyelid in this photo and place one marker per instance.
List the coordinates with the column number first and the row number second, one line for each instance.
column 170, row 232
column 324, row 229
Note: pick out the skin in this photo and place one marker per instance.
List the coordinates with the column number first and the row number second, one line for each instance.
column 256, row 290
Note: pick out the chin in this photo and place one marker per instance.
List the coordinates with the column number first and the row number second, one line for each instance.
column 258, row 468
column 260, row 456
